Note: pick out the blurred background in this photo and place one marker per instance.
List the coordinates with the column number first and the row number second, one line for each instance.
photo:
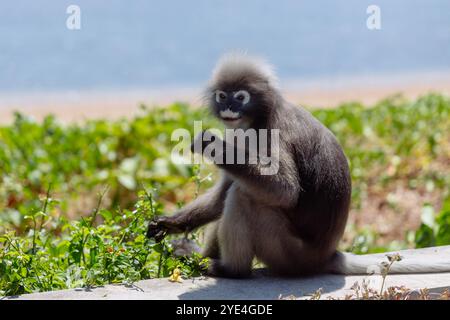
column 160, row 51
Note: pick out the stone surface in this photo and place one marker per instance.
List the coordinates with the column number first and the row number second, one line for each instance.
column 259, row 287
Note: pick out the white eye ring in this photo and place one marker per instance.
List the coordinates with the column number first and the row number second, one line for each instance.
column 218, row 93
column 243, row 93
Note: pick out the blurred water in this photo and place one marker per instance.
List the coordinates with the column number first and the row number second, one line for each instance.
column 130, row 44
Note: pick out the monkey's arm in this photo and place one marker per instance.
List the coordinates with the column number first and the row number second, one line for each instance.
column 204, row 209
column 281, row 187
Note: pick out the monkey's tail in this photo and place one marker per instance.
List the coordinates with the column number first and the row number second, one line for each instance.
column 348, row 263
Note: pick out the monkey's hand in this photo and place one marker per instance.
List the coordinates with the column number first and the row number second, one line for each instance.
column 159, row 227
column 204, row 139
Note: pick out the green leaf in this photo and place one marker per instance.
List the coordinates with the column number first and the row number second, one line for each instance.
column 427, row 216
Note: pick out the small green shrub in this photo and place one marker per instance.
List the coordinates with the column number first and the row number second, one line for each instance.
column 106, row 247
column 435, row 229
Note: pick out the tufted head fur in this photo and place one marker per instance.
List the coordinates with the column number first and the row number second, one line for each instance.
column 237, row 67
column 238, row 72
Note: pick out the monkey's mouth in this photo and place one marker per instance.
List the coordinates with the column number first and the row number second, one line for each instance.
column 229, row 115
column 230, row 119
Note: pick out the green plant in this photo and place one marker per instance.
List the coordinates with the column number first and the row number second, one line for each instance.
column 435, row 229
column 106, row 247
column 60, row 228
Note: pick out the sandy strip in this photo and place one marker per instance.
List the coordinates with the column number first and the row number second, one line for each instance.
column 78, row 105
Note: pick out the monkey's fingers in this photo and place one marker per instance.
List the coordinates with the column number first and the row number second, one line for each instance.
column 154, row 229
column 160, row 236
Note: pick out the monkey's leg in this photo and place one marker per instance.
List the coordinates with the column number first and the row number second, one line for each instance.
column 236, row 248
column 204, row 209
column 280, row 249
column 211, row 249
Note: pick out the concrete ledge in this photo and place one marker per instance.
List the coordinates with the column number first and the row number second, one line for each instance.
column 259, row 287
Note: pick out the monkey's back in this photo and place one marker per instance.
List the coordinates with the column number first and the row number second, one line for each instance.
column 323, row 203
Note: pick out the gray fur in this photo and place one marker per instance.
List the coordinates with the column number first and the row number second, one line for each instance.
column 291, row 221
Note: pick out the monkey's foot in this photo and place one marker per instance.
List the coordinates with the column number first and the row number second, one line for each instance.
column 184, row 247
column 217, row 269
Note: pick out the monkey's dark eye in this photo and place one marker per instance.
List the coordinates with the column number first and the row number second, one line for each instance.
column 242, row 96
column 220, row 96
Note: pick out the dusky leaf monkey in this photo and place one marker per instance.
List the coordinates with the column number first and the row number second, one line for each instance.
column 291, row 221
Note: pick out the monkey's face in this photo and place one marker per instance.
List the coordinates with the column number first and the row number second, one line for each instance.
column 233, row 107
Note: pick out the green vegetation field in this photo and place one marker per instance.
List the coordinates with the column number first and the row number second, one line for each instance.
column 75, row 199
